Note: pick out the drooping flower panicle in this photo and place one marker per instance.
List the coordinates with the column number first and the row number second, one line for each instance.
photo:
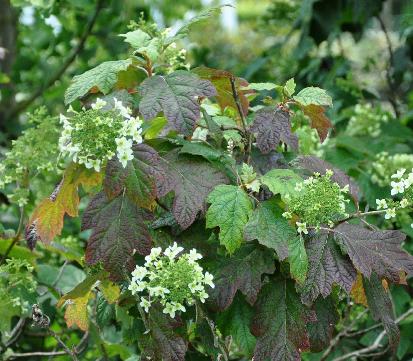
column 172, row 278
column 93, row 136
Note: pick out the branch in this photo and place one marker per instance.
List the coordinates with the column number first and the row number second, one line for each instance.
column 392, row 85
column 238, row 103
column 66, row 63
column 64, row 346
column 34, row 354
column 43, row 321
column 360, row 215
column 375, row 345
column 78, row 349
column 242, row 116
column 223, row 127
column 15, row 333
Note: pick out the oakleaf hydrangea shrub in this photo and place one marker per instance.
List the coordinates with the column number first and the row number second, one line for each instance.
column 199, row 161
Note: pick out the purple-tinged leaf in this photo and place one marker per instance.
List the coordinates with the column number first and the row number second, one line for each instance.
column 280, row 323
column 381, row 307
column 272, row 126
column 321, row 331
column 118, row 231
column 242, row 271
column 143, row 178
column 176, row 95
column 377, row 252
column 162, row 342
column 191, row 179
column 327, row 266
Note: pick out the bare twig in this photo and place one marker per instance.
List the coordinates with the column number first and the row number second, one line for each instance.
column 392, row 85
column 377, row 344
column 64, row 346
column 247, row 134
column 217, row 342
column 36, row 354
column 223, row 127
column 360, row 332
column 78, row 349
column 15, row 333
column 66, row 63
column 238, row 103
column 43, row 321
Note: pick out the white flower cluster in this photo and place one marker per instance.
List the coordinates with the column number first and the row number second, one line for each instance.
column 171, row 278
column 301, row 227
column 401, row 184
column 93, row 136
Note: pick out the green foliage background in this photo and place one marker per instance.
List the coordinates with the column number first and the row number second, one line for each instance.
column 361, row 52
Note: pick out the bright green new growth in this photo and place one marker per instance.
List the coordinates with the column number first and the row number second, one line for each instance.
column 249, row 178
column 317, row 201
column 230, row 210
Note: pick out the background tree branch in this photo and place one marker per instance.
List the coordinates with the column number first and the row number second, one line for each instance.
column 20, row 107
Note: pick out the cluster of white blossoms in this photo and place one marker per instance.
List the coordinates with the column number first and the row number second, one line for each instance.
column 93, row 136
column 401, row 187
column 171, row 278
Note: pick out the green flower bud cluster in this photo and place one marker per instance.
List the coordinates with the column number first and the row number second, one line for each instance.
column 34, row 153
column 93, row 136
column 386, row 165
column 171, row 278
column 318, row 200
column 366, row 120
column 249, row 178
column 16, row 282
column 176, row 58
